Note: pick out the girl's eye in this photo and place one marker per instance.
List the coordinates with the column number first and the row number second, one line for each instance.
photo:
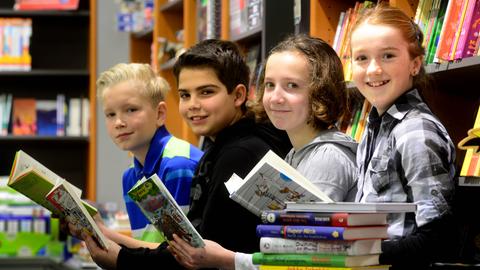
column 292, row 85
column 388, row 56
column 360, row 58
column 269, row 85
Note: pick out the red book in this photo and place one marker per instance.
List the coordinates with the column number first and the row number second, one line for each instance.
column 46, row 4
column 24, row 116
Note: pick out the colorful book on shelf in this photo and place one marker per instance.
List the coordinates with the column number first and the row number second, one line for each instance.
column 321, row 232
column 35, row 181
column 46, row 4
column 351, row 207
column 473, row 32
column 46, row 117
column 64, row 198
column 290, row 267
column 470, row 143
column 161, row 209
column 334, row 247
column 315, row 260
column 323, row 219
column 270, row 184
column 449, row 28
column 24, row 120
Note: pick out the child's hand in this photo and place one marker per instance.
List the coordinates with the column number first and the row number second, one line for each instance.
column 107, row 259
column 212, row 255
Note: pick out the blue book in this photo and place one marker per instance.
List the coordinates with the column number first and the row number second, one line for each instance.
column 322, row 232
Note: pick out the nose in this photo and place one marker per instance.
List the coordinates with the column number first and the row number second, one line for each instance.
column 374, row 67
column 276, row 95
column 119, row 122
column 193, row 103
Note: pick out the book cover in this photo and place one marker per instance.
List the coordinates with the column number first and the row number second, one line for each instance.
column 351, row 207
column 47, row 117
column 34, row 180
column 314, row 260
column 24, row 116
column 323, row 219
column 161, row 209
column 289, row 267
column 322, row 232
column 334, row 247
column 270, row 184
column 70, row 206
column 46, row 4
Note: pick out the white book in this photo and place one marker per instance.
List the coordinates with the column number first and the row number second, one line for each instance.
column 270, row 184
column 352, row 207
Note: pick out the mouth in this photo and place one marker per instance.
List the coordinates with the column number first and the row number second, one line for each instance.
column 123, row 135
column 197, row 118
column 378, row 83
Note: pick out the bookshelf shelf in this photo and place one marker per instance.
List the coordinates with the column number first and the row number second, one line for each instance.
column 26, row 13
column 63, row 51
column 248, row 35
column 145, row 34
column 175, row 5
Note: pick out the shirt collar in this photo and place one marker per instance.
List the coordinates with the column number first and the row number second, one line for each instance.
column 154, row 154
column 399, row 109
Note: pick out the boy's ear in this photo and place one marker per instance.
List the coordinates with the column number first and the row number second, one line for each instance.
column 240, row 94
column 161, row 113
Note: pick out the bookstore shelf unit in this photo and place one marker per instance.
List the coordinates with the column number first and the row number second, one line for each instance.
column 63, row 53
column 454, row 97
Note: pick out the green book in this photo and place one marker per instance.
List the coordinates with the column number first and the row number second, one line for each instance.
column 161, row 209
column 315, row 260
column 34, row 180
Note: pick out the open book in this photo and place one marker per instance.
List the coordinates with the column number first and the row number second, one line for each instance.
column 63, row 198
column 41, row 185
column 161, row 209
column 270, row 184
column 34, row 180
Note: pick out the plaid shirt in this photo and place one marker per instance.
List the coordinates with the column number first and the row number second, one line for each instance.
column 406, row 155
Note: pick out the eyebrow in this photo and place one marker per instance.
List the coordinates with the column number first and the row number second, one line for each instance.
column 201, row 87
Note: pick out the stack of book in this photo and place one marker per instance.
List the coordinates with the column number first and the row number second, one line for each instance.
column 311, row 237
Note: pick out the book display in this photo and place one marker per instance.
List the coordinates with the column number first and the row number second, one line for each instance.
column 63, row 62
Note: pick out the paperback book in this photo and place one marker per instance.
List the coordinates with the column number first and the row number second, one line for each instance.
column 35, row 181
column 315, row 260
column 270, row 184
column 161, row 209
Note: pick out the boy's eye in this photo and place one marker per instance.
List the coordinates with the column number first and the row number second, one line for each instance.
column 109, row 115
column 130, row 110
column 206, row 92
column 183, row 95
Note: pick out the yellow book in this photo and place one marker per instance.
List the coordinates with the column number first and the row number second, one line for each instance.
column 468, row 156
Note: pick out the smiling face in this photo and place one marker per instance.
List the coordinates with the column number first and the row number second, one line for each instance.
column 286, row 95
column 131, row 118
column 382, row 67
column 205, row 104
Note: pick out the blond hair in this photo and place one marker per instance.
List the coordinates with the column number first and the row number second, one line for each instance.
column 150, row 85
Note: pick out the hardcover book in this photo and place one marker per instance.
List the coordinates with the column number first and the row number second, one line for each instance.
column 66, row 201
column 34, row 180
column 323, row 219
column 322, row 232
column 270, row 184
column 351, row 207
column 161, row 209
column 334, row 247
column 288, row 267
column 315, row 260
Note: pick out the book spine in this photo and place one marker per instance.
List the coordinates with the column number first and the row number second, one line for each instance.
column 472, row 35
column 299, row 259
column 301, row 232
column 280, row 245
column 287, row 218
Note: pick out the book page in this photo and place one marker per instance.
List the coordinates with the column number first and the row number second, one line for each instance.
column 70, row 206
column 163, row 212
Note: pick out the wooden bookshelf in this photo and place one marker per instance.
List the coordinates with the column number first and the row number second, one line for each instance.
column 63, row 50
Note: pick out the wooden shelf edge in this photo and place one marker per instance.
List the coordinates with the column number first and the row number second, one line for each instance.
column 175, row 5
column 46, row 13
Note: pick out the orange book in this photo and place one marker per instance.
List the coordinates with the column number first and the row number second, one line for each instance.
column 24, row 116
column 450, row 26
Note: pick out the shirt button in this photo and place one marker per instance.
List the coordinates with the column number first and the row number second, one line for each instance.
column 434, row 192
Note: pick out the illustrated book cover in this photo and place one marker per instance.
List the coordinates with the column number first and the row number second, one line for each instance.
column 66, row 201
column 35, row 181
column 161, row 209
column 270, row 184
